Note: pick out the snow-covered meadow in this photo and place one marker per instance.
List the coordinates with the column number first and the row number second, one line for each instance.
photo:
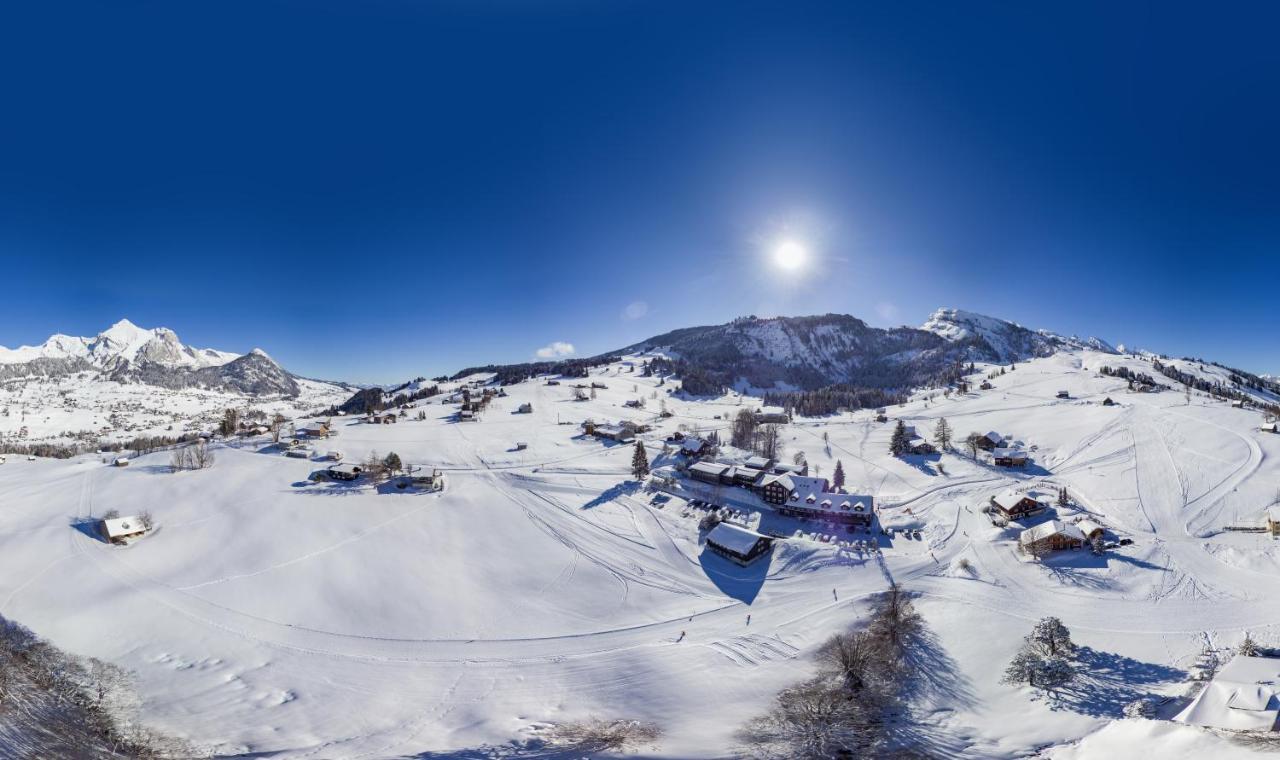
column 271, row 614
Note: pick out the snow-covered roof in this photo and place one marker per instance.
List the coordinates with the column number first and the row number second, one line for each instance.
column 1009, row 499
column 1273, row 514
column 346, row 469
column 118, row 527
column 692, row 445
column 1088, row 527
column 1242, row 696
column 734, row 538
column 709, row 468
column 757, row 463
column 994, row 437
column 1006, row 453
column 1051, row 528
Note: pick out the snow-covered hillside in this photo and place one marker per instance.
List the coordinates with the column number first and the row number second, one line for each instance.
column 268, row 614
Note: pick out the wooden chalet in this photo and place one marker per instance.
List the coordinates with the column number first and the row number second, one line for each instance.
column 738, row 544
column 345, row 471
column 119, row 530
column 1053, row 535
column 990, row 441
column 1014, row 505
column 1005, row 457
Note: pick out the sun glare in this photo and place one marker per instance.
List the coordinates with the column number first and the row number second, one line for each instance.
column 790, row 255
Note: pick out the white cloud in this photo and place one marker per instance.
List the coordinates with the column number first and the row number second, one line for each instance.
column 553, row 350
column 635, row 310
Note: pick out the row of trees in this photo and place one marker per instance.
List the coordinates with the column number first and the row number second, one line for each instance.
column 747, row 433
column 900, row 441
column 194, row 456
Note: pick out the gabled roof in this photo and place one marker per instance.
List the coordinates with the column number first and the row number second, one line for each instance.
column 346, row 468
column 118, row 527
column 1088, row 527
column 1006, row 453
column 758, row 463
column 1009, row 499
column 709, row 468
column 994, row 437
column 734, row 538
column 1242, row 696
column 1051, row 528
column 692, row 445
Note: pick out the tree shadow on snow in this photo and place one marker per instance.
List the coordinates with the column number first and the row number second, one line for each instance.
column 625, row 488
column 733, row 580
column 933, row 678
column 1105, row 682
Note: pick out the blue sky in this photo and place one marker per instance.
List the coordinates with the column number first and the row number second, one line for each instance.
column 372, row 191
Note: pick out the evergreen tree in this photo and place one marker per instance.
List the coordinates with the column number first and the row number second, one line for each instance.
column 640, row 462
column 898, row 444
column 942, row 434
column 393, row 463
column 1248, row 647
column 837, row 477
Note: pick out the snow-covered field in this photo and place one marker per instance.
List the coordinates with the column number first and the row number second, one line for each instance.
column 271, row 614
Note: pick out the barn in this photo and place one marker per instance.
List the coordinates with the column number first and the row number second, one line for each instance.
column 738, row 544
column 1014, row 505
column 1051, row 536
column 345, row 471
column 118, row 530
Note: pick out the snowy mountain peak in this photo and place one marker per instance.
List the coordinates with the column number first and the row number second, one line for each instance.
column 1006, row 341
column 121, row 344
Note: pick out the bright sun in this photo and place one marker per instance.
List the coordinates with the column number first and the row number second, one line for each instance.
column 790, row 255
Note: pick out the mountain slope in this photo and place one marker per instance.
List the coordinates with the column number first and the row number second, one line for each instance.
column 811, row 352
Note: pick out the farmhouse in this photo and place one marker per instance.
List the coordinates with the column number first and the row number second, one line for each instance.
column 1003, row 457
column 991, row 441
column 525, row 408
column 121, row 462
column 429, row 480
column 622, row 432
column 1243, row 696
column 986, row 385
column 298, row 453
column 318, row 430
column 119, row 530
column 708, row 472
column 1269, row 427
column 919, row 445
column 345, row 471
column 738, row 544
column 1014, row 505
column 466, row 415
column 1273, row 521
column 1108, row 402
column 694, row 447
column 772, row 414
column 1237, row 404
column 1051, row 536
column 1089, row 529
column 1063, row 394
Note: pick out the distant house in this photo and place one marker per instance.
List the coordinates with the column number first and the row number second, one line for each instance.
column 525, row 408
column 466, row 415
column 708, row 472
column 432, row 479
column 335, row 456
column 772, row 415
column 1108, row 402
column 634, row 403
column 1269, row 427
column 692, row 446
column 990, row 441
column 1051, row 536
column 298, row 453
column 345, row 471
column 781, row 468
column 1237, row 404
column 1273, row 521
column 1003, row 457
column 1243, row 696
column 119, row 530
column 553, row 382
column 881, row 416
column 919, row 445
column 521, row 445
column 121, row 462
column 1063, row 394
column 986, row 385
column 738, row 544
column 318, row 430
column 1014, row 505
column 622, row 432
